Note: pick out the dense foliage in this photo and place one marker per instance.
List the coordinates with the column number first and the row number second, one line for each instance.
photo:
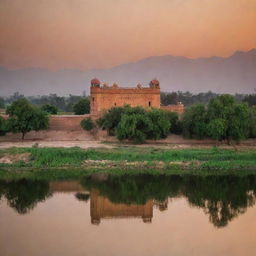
column 50, row 109
column 82, row 107
column 222, row 119
column 250, row 99
column 87, row 124
column 188, row 98
column 2, row 105
column 136, row 124
column 24, row 117
column 3, row 126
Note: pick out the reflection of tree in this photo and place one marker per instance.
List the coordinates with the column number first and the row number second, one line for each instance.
column 221, row 197
column 130, row 189
column 23, row 195
column 82, row 196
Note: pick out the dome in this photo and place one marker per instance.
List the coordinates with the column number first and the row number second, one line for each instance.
column 154, row 83
column 95, row 82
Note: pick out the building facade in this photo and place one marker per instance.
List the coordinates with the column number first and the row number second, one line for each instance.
column 104, row 97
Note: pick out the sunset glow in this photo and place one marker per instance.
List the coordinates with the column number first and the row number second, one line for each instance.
column 86, row 34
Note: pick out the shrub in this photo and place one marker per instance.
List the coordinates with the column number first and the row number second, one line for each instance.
column 82, row 107
column 24, row 117
column 87, row 124
column 50, row 109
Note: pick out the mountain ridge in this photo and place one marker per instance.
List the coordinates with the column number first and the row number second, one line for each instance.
column 233, row 74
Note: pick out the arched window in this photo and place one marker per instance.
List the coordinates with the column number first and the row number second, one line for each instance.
column 149, row 103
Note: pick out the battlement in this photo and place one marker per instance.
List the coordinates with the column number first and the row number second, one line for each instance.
column 104, row 97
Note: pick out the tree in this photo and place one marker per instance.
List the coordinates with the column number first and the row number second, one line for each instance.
column 250, row 99
column 2, row 105
column 134, row 127
column 50, row 109
column 87, row 124
column 216, row 129
column 82, row 107
column 160, row 124
column 234, row 115
column 176, row 126
column 252, row 122
column 194, row 121
column 110, row 119
column 3, row 126
column 24, row 117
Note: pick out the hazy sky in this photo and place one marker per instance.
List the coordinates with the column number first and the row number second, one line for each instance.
column 102, row 33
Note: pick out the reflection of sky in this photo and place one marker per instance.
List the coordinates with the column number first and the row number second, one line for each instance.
column 62, row 226
column 98, row 33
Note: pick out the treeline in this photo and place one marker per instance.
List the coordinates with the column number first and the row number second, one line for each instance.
column 223, row 119
column 66, row 104
column 61, row 103
column 188, row 98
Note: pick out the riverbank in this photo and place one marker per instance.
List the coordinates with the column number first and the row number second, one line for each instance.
column 61, row 163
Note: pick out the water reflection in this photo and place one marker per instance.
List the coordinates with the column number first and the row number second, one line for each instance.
column 222, row 198
column 23, row 195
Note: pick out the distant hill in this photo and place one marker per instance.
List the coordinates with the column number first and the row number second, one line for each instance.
column 234, row 74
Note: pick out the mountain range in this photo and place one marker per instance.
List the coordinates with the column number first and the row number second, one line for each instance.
column 233, row 74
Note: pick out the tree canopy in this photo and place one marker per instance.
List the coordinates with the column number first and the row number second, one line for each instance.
column 24, row 117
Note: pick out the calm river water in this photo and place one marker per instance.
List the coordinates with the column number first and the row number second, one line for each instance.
column 129, row 215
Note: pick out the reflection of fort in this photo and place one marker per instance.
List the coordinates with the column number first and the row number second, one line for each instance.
column 102, row 207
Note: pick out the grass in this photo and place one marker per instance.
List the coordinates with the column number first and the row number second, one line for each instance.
column 71, row 162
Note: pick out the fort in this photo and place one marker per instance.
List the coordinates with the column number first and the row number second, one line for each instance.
column 104, row 97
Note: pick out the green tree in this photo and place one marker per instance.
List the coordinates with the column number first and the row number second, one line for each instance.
column 176, row 126
column 3, row 126
column 134, row 127
column 2, row 105
column 110, row 120
column 50, row 109
column 82, row 107
column 194, row 121
column 24, row 117
column 216, row 129
column 234, row 115
column 87, row 124
column 160, row 127
column 252, row 122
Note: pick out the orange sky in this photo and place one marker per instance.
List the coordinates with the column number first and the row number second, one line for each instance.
column 86, row 34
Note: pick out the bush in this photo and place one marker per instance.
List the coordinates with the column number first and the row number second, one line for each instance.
column 50, row 109
column 216, row 129
column 87, row 124
column 82, row 107
column 3, row 126
column 25, row 118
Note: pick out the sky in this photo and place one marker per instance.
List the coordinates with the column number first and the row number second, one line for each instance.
column 88, row 34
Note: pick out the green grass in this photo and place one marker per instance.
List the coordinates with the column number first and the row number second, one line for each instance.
column 202, row 159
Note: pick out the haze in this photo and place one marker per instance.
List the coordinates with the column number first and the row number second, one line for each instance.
column 86, row 34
